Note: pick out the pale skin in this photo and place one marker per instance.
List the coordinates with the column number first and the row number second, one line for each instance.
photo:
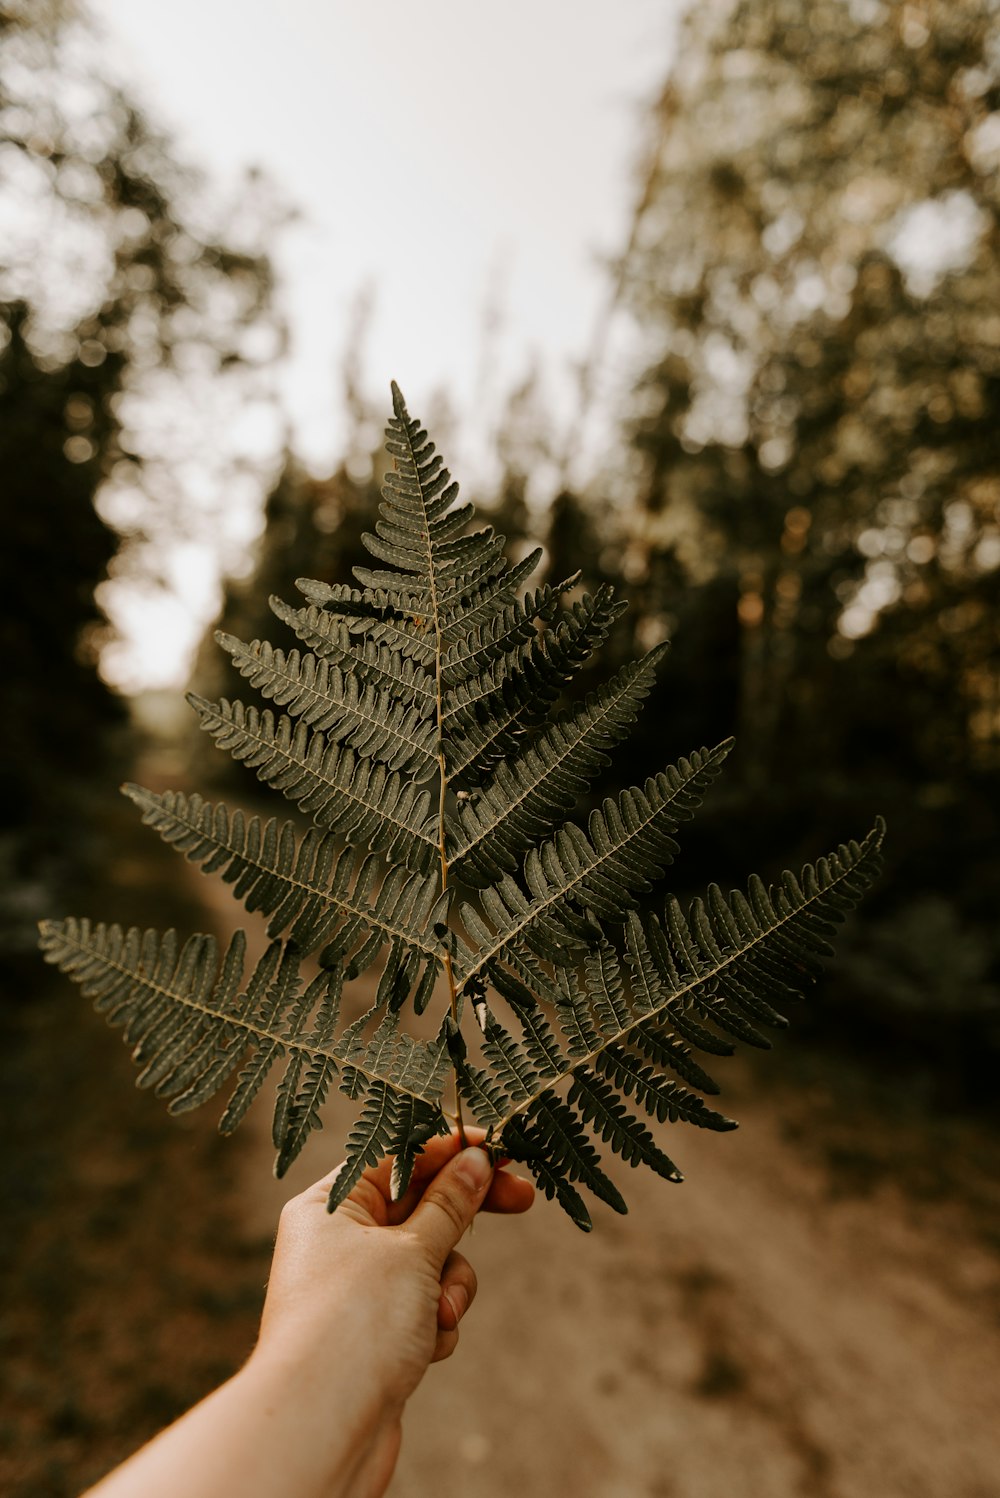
column 359, row 1304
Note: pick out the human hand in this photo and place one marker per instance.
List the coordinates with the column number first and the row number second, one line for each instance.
column 361, row 1302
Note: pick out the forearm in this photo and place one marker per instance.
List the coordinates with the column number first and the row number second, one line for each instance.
column 358, row 1306
column 257, row 1436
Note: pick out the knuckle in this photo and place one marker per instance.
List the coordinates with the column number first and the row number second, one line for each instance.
column 452, row 1206
column 444, row 1346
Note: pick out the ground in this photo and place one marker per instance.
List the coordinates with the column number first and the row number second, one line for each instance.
column 815, row 1311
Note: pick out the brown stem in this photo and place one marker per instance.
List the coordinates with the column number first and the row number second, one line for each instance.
column 449, row 970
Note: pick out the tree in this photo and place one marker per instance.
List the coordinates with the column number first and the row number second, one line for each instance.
column 123, row 266
column 817, row 264
column 117, row 303
column 817, row 421
column 50, row 616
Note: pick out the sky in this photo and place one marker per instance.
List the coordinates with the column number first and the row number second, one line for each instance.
column 463, row 164
column 448, row 157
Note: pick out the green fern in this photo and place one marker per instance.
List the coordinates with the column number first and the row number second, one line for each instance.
column 416, row 730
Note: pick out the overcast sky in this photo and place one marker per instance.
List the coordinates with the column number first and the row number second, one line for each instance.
column 446, row 155
column 443, row 154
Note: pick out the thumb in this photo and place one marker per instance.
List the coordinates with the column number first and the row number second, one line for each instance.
column 451, row 1201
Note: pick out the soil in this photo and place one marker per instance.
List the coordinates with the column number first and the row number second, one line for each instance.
column 815, row 1311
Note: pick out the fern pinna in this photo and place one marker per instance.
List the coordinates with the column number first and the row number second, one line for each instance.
column 415, row 728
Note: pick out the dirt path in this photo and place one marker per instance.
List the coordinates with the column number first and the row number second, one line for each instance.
column 757, row 1330
column 748, row 1334
column 743, row 1334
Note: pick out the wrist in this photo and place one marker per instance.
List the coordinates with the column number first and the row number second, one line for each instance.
column 325, row 1415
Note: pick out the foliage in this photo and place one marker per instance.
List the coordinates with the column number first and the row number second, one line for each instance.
column 138, row 314
column 50, row 495
column 809, row 507
column 417, row 733
column 118, row 294
column 816, row 276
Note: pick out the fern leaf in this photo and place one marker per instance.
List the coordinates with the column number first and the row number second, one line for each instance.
column 627, row 845
column 668, row 1052
column 338, row 703
column 509, row 1064
column 392, row 656
column 506, row 630
column 553, row 1121
column 539, row 1041
column 357, row 798
column 661, row 1098
column 368, row 1142
column 482, row 1092
column 467, row 610
column 519, row 802
column 575, row 1018
column 190, row 1027
column 486, row 718
column 414, row 1124
column 670, row 974
column 414, row 1067
column 304, row 1086
column 601, row 1107
column 262, row 1012
column 612, row 1008
column 313, row 887
column 418, row 525
column 412, row 722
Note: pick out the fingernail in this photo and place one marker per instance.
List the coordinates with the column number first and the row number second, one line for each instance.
column 457, row 1297
column 474, row 1165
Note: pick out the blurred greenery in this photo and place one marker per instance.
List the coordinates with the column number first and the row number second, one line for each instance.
column 806, row 500
column 106, row 288
column 815, row 506
column 810, row 501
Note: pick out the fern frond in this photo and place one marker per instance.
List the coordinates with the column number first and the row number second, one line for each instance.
column 338, row 703
column 486, row 718
column 661, row 1098
column 540, row 1043
column 480, row 646
column 304, row 1086
column 468, row 610
column 519, row 802
column 710, row 952
column 603, row 1110
column 368, row 1142
column 357, row 798
column 415, row 1123
column 573, row 1007
column 380, row 653
column 190, row 1027
column 627, row 845
column 552, row 1124
column 419, row 523
column 413, row 723
column 313, row 887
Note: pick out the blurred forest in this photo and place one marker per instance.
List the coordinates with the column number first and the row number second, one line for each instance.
column 807, row 501
column 804, row 497
column 115, row 302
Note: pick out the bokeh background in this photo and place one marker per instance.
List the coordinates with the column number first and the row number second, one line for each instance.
column 708, row 304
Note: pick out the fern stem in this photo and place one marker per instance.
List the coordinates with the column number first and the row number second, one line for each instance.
column 449, row 970
column 442, row 770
